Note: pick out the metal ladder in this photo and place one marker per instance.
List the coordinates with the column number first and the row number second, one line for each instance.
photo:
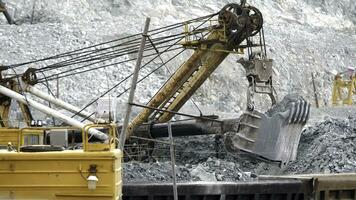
column 165, row 105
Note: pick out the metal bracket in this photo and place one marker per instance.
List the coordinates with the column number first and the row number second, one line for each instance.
column 259, row 75
column 30, row 76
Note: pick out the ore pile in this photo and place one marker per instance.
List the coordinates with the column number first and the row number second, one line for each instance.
column 327, row 147
column 211, row 170
column 197, row 159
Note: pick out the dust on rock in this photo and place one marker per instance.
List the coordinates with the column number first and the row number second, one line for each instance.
column 327, row 147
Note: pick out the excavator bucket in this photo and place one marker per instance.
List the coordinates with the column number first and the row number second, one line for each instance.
column 273, row 135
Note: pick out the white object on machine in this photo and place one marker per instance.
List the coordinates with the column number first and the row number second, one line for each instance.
column 61, row 103
column 54, row 113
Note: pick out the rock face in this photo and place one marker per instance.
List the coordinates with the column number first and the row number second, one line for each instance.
column 302, row 37
column 211, row 170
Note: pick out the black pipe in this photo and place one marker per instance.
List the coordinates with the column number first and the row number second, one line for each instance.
column 186, row 128
column 179, row 128
column 161, row 130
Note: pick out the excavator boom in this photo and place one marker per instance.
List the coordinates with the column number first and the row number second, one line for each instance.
column 182, row 84
column 235, row 25
column 273, row 135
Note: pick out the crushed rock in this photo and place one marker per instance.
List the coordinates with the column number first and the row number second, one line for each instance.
column 211, row 170
column 327, row 147
column 329, row 144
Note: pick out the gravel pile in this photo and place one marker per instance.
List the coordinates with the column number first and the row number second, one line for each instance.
column 328, row 147
column 210, row 170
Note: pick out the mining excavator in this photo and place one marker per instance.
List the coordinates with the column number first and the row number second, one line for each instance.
column 68, row 158
column 273, row 135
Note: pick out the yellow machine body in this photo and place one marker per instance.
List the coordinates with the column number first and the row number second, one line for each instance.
column 340, row 85
column 60, row 174
column 9, row 135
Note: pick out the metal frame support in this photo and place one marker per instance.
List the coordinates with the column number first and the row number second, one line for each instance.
column 42, row 108
column 61, row 103
column 124, row 131
column 173, row 161
column 315, row 93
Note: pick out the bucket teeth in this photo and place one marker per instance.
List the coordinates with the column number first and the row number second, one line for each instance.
column 302, row 111
column 299, row 112
column 306, row 116
column 292, row 112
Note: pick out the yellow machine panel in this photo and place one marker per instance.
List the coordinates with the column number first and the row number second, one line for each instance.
column 93, row 172
column 59, row 175
column 9, row 135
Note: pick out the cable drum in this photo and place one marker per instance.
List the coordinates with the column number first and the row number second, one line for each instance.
column 256, row 20
column 240, row 21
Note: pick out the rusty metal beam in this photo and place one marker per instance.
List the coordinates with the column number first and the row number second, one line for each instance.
column 3, row 9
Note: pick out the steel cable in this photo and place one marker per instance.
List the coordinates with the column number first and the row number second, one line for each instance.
column 152, row 32
column 63, row 74
column 98, row 56
column 163, row 64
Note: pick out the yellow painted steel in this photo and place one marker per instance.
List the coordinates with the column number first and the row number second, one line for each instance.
column 339, row 85
column 197, row 69
column 334, row 186
column 341, row 186
column 190, row 36
column 5, row 104
column 106, row 146
column 9, row 135
column 61, row 174
column 15, row 136
column 209, row 62
column 30, row 136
